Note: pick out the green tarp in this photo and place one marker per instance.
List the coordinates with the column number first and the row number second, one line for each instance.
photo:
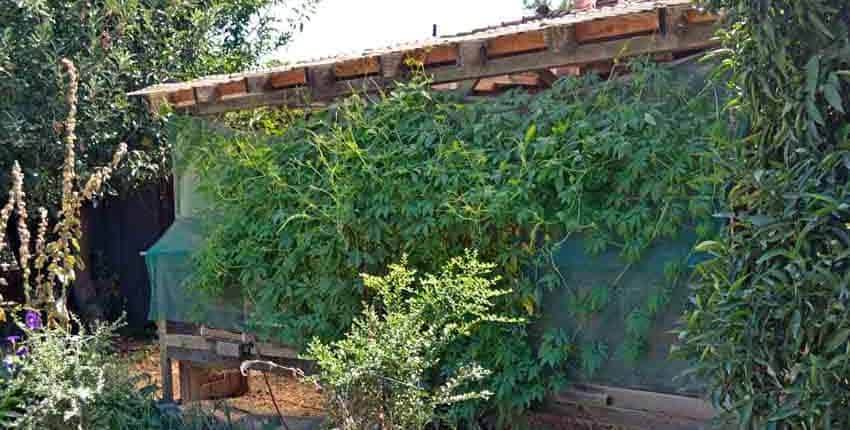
column 169, row 263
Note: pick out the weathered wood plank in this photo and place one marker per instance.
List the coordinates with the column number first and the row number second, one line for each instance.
column 213, row 333
column 165, row 363
column 191, row 378
column 323, row 88
column 188, row 341
column 392, row 65
column 514, row 44
column 519, row 79
column 560, row 39
column 590, row 416
column 321, row 80
column 679, row 406
column 358, row 67
column 228, row 349
column 698, row 37
column 435, row 56
column 206, row 93
column 617, row 27
column 182, row 98
column 289, row 78
column 473, row 54
column 231, row 89
column 694, row 16
column 276, row 351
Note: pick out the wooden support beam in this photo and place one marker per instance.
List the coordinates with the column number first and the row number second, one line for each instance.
column 561, row 39
column 321, row 80
column 165, row 363
column 392, row 65
column 435, row 56
column 683, row 407
column 228, row 349
column 473, row 55
column 190, row 381
column 182, row 98
column 520, row 79
column 603, row 417
column 514, row 44
column 617, row 27
column 217, row 334
column 474, row 65
column 231, row 89
column 357, row 68
column 275, row 351
column 289, row 78
column 675, row 22
column 698, row 37
column 206, row 94
column 188, row 341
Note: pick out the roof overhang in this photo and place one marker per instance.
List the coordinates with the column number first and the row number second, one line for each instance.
column 540, row 44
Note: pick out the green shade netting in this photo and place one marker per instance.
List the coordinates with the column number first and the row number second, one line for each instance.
column 169, row 263
column 170, row 266
column 654, row 369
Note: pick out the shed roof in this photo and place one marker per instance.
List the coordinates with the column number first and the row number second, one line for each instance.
column 527, row 45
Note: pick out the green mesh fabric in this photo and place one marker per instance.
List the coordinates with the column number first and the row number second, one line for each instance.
column 654, row 369
column 169, row 267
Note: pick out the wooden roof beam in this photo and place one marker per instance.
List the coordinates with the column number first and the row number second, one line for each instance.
column 665, row 30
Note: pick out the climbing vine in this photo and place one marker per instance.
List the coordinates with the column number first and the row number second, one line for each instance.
column 770, row 326
column 301, row 212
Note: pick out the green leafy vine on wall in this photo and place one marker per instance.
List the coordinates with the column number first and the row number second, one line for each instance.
column 300, row 213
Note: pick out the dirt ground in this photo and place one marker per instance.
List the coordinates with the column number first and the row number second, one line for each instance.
column 295, row 398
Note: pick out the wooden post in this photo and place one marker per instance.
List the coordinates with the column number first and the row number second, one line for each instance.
column 165, row 364
column 190, row 382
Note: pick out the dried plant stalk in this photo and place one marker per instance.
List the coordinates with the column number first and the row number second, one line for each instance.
column 55, row 262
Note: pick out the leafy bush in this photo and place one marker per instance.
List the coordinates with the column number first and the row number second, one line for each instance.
column 770, row 324
column 54, row 379
column 296, row 217
column 60, row 380
column 398, row 366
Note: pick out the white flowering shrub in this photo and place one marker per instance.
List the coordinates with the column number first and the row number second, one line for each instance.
column 395, row 369
column 64, row 380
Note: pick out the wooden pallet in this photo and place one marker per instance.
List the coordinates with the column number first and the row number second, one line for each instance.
column 204, row 349
column 597, row 37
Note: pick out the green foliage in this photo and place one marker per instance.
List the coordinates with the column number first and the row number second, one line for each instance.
column 585, row 305
column 769, row 326
column 593, row 356
column 73, row 381
column 403, row 364
column 297, row 216
column 119, row 46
